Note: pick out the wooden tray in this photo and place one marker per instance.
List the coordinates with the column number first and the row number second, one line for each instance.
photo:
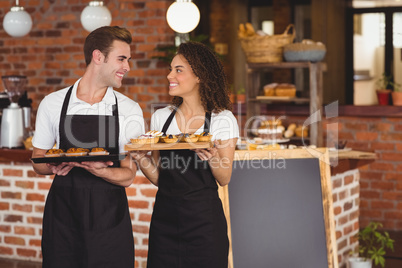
column 168, row 146
column 111, row 157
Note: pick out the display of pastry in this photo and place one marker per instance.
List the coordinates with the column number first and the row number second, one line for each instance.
column 285, row 90
column 98, row 151
column 54, row 153
column 170, row 138
column 301, row 131
column 204, row 136
column 77, row 152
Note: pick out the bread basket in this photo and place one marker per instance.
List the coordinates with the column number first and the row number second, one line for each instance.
column 267, row 48
column 307, row 50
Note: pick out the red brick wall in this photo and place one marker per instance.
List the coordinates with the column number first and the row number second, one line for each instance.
column 51, row 55
column 22, row 200
column 380, row 181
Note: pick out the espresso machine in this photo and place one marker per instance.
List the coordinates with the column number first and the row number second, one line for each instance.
column 12, row 120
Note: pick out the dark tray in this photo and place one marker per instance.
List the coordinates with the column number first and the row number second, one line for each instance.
column 111, row 157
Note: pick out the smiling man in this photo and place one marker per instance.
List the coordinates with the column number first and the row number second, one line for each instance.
column 86, row 221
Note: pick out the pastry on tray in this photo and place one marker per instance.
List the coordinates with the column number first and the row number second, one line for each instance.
column 190, row 138
column 170, row 138
column 77, row 152
column 204, row 136
column 150, row 137
column 54, row 153
column 98, row 151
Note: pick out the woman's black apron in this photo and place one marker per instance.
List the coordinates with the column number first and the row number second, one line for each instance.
column 86, row 222
column 188, row 226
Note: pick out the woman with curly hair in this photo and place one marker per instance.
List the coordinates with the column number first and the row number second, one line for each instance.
column 188, row 225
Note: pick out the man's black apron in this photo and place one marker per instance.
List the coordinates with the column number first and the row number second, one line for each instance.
column 188, row 226
column 86, row 221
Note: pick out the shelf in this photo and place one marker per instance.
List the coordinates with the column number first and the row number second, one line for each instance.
column 285, row 65
column 253, row 81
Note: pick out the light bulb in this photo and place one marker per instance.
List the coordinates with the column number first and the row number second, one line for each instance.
column 183, row 17
column 17, row 22
column 95, row 15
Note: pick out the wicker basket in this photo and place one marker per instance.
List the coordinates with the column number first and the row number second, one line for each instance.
column 268, row 48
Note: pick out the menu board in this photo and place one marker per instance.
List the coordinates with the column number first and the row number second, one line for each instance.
column 281, row 212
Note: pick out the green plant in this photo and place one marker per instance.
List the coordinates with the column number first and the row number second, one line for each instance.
column 387, row 82
column 373, row 243
column 241, row 91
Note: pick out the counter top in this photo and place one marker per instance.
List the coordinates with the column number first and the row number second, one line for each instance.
column 15, row 155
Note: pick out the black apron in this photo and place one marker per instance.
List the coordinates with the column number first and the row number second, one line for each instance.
column 188, row 226
column 86, row 222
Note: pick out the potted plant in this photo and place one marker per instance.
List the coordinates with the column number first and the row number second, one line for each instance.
column 397, row 95
column 241, row 95
column 385, row 85
column 232, row 94
column 372, row 246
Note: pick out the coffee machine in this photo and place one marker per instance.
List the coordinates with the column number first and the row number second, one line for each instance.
column 12, row 120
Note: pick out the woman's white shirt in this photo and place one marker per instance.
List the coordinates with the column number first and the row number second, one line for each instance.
column 223, row 125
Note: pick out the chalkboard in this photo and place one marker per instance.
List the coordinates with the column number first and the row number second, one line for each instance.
column 280, row 211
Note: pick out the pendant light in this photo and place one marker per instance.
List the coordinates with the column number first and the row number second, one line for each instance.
column 95, row 15
column 183, row 16
column 17, row 22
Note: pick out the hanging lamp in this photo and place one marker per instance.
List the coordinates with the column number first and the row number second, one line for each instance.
column 17, row 22
column 95, row 15
column 183, row 16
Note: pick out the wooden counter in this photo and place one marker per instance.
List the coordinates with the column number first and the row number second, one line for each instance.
column 15, row 155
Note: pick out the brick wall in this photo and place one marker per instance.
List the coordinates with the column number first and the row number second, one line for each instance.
column 23, row 195
column 51, row 55
column 380, row 181
column 345, row 193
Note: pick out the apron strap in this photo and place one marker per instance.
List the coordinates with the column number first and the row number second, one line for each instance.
column 207, row 122
column 64, row 107
column 168, row 121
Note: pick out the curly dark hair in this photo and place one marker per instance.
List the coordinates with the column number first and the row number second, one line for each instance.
column 208, row 68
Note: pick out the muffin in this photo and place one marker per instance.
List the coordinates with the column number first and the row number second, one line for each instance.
column 205, row 136
column 77, row 152
column 54, row 153
column 98, row 151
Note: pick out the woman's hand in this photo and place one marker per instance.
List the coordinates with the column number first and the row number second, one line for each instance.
column 61, row 169
column 208, row 153
column 138, row 155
